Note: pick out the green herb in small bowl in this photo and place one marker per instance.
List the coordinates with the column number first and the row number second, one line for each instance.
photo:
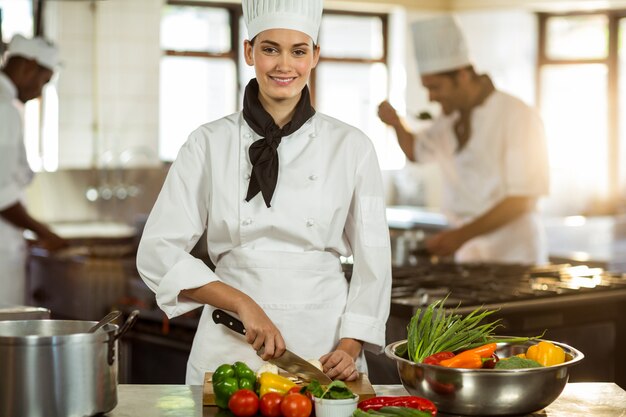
column 332, row 400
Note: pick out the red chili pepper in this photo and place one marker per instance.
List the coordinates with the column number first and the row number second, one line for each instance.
column 410, row 401
column 438, row 357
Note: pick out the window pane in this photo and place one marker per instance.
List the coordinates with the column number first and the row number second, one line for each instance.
column 351, row 37
column 193, row 91
column 577, row 37
column 351, row 93
column 187, row 28
column 17, row 17
column 574, row 108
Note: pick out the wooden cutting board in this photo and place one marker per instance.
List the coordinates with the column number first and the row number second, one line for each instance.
column 360, row 386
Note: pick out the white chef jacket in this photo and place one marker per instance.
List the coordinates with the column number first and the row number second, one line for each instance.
column 15, row 175
column 328, row 202
column 505, row 156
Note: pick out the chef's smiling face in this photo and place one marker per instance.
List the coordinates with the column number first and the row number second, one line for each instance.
column 282, row 60
column 445, row 90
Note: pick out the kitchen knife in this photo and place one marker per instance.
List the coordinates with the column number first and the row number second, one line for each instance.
column 288, row 361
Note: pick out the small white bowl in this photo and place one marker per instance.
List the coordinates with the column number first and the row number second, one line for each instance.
column 335, row 408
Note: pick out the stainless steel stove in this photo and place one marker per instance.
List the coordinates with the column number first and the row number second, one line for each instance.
column 577, row 305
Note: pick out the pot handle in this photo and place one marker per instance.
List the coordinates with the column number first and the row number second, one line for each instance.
column 132, row 318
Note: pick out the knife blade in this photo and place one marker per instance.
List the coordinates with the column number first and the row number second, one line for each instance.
column 288, row 361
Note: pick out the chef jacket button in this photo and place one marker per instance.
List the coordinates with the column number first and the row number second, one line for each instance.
column 313, row 135
column 312, row 177
column 247, row 222
column 310, row 222
column 247, row 135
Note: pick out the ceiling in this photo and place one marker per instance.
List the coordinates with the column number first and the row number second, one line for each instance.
column 458, row 5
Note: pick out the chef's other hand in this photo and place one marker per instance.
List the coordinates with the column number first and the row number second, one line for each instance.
column 341, row 363
column 50, row 240
column 260, row 331
column 445, row 243
column 387, row 114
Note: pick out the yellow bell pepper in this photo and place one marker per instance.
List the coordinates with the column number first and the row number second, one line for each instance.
column 546, row 354
column 269, row 382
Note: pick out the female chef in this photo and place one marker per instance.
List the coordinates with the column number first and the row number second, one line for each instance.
column 283, row 192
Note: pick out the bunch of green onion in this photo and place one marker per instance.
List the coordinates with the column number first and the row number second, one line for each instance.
column 436, row 330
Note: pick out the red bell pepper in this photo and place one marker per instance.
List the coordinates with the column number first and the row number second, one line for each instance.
column 411, row 401
column 438, row 357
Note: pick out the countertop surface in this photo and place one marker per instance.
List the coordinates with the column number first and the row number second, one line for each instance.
column 577, row 399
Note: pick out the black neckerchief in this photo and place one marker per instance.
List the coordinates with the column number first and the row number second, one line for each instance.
column 263, row 153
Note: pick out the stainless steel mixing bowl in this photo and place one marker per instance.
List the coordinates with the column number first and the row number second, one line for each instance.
column 487, row 392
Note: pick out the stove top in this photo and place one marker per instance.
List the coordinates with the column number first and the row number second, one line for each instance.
column 476, row 284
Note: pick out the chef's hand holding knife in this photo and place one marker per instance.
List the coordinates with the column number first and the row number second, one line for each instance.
column 261, row 331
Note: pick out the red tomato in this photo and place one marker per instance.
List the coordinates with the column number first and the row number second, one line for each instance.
column 270, row 404
column 244, row 403
column 296, row 405
column 294, row 390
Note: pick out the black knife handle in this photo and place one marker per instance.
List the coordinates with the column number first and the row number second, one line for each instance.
column 222, row 317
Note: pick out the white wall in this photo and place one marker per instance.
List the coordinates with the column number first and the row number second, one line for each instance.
column 109, row 84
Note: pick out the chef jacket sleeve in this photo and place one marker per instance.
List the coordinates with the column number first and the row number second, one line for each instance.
column 526, row 156
column 367, row 233
column 10, row 191
column 175, row 224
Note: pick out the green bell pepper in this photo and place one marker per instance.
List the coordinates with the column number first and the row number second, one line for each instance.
column 227, row 379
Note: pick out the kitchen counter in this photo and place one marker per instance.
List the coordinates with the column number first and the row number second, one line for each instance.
column 578, row 399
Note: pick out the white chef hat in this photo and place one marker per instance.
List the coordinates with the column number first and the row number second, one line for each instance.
column 301, row 15
column 439, row 45
column 42, row 51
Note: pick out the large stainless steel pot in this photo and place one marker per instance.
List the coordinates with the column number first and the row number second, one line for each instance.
column 55, row 368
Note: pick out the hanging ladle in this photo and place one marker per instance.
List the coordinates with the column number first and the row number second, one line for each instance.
column 105, row 320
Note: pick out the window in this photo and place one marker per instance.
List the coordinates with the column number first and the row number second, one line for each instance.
column 582, row 95
column 198, row 74
column 351, row 78
column 16, row 16
column 203, row 72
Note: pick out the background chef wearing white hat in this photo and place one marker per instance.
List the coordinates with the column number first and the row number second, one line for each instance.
column 29, row 65
column 491, row 149
column 282, row 192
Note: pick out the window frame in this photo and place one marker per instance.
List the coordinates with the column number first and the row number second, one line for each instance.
column 612, row 64
column 235, row 14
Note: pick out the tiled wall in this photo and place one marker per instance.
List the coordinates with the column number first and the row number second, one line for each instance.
column 109, row 84
column 60, row 197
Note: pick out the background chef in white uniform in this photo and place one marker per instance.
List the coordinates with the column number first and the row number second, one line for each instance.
column 491, row 149
column 283, row 191
column 28, row 67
